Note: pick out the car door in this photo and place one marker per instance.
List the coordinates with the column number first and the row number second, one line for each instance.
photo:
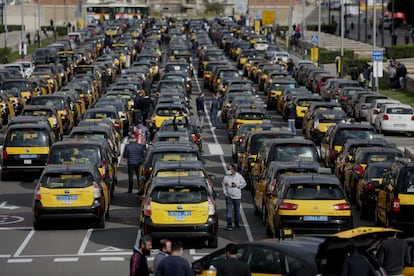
column 384, row 198
column 264, row 260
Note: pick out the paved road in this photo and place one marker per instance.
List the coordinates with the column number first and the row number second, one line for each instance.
column 74, row 248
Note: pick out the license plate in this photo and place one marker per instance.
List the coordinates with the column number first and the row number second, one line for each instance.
column 315, row 218
column 179, row 213
column 28, row 156
column 400, row 125
column 67, row 199
column 27, row 161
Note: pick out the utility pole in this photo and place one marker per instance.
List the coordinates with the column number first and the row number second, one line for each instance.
column 341, row 65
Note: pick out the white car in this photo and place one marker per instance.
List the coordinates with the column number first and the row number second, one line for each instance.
column 395, row 118
column 28, row 66
column 376, row 106
column 261, row 46
column 283, row 56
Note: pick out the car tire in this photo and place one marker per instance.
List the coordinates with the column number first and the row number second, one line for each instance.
column 212, row 242
column 37, row 225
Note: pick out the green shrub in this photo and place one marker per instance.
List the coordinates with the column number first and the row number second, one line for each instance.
column 61, row 30
column 326, row 56
column 399, row 51
column 10, row 28
column 350, row 63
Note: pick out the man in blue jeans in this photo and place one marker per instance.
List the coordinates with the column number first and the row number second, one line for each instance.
column 232, row 185
column 215, row 106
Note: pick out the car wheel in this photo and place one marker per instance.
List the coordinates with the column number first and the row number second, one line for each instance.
column 212, row 242
column 264, row 215
column 37, row 225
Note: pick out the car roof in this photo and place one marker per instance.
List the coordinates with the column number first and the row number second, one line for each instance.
column 174, row 165
column 178, row 181
column 310, row 178
column 58, row 168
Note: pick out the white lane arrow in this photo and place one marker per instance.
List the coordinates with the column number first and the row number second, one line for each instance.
column 4, row 205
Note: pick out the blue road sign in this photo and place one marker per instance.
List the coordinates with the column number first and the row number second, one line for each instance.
column 377, row 55
column 314, row 38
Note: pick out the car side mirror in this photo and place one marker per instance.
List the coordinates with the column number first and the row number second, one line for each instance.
column 198, row 268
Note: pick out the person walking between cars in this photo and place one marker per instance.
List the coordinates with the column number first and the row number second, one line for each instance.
column 354, row 263
column 232, row 266
column 134, row 153
column 174, row 265
column 215, row 106
column 138, row 265
column 200, row 110
column 165, row 251
column 290, row 115
column 393, row 255
column 233, row 182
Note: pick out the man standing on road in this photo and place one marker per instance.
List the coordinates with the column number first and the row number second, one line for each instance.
column 290, row 114
column 138, row 265
column 393, row 255
column 232, row 185
column 215, row 106
column 165, row 251
column 134, row 153
column 200, row 110
column 233, row 266
column 175, row 265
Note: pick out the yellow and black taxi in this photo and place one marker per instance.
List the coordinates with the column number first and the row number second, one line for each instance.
column 308, row 203
column 274, row 89
column 186, row 126
column 268, row 72
column 71, row 192
column 301, row 255
column 251, row 114
column 62, row 104
column 164, row 112
column 244, row 56
column 337, row 135
column 180, row 207
column 122, row 108
column 355, row 168
column 288, row 94
column 348, row 151
column 368, row 186
column 302, row 104
column 50, row 72
column 266, row 183
column 100, row 113
column 220, row 74
column 208, row 70
column 16, row 99
column 316, row 106
column 247, row 67
column 206, row 57
column 237, row 48
column 105, row 123
column 6, row 108
column 51, row 114
column 23, row 86
column 251, row 145
column 26, row 147
column 284, row 150
column 81, row 152
column 318, row 123
column 395, row 200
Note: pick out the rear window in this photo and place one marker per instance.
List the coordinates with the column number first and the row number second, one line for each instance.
column 294, row 153
column 354, row 133
column 399, row 110
column 47, row 113
column 257, row 143
column 314, row 192
column 19, row 85
column 407, row 181
column 75, row 155
column 60, row 181
column 89, row 136
column 167, row 112
column 100, row 115
column 251, row 116
column 189, row 172
column 27, row 138
column 376, row 171
column 47, row 101
column 174, row 156
column 179, row 194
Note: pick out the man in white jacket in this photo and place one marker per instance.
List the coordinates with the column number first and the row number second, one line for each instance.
column 232, row 185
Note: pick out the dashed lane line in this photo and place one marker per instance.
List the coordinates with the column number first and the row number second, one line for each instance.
column 65, row 260
column 112, row 259
column 19, row 261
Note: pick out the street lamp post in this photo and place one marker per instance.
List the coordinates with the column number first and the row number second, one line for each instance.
column 6, row 33
column 393, row 24
column 319, row 26
column 341, row 65
column 303, row 28
column 38, row 19
column 359, row 20
column 374, row 42
column 366, row 21
column 21, row 31
column 382, row 24
column 54, row 19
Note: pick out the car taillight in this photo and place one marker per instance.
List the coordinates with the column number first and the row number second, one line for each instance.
column 412, row 118
column 4, row 157
column 344, row 98
column 153, row 117
column 288, row 206
column 211, row 207
column 147, row 172
column 375, row 111
column 103, row 164
column 38, row 195
column 396, row 206
column 359, row 170
column 385, row 117
column 342, row 206
column 334, row 154
column 369, row 186
column 338, row 90
column 147, row 207
column 96, row 190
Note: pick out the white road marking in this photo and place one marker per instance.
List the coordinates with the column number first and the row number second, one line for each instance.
column 6, row 219
column 16, row 228
column 18, row 261
column 5, row 256
column 223, row 163
column 110, row 249
column 123, row 144
column 65, row 260
column 112, row 259
column 215, row 149
column 139, row 234
column 24, row 243
column 85, row 242
column 4, row 205
column 86, row 254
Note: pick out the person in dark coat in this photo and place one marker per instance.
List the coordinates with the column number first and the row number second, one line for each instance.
column 354, row 263
column 393, row 255
column 138, row 265
column 233, row 266
column 134, row 153
column 174, row 265
column 290, row 115
column 215, row 106
column 200, row 110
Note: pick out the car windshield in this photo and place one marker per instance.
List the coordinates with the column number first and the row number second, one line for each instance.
column 294, row 153
column 75, row 155
column 314, row 192
column 60, row 181
column 355, row 133
column 167, row 111
column 400, row 110
column 379, row 157
column 27, row 138
column 100, row 114
column 179, row 195
column 407, row 181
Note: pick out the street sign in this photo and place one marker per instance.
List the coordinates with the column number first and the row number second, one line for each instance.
column 377, row 55
column 314, row 39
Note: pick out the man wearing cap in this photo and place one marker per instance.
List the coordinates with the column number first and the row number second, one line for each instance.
column 134, row 153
